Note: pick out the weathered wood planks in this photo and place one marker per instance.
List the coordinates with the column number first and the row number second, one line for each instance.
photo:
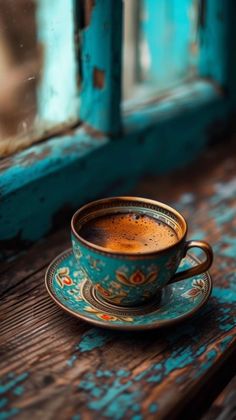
column 54, row 366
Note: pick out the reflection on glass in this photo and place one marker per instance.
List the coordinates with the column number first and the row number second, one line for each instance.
column 38, row 89
column 161, row 45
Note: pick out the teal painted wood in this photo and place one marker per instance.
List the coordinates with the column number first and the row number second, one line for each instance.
column 101, row 41
column 168, row 44
column 188, row 41
column 64, row 172
column 117, row 375
column 214, row 41
column 58, row 91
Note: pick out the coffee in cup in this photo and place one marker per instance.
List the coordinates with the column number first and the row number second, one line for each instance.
column 132, row 232
column 131, row 247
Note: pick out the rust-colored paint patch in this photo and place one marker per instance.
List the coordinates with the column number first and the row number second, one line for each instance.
column 92, row 132
column 194, row 48
column 88, row 8
column 98, row 78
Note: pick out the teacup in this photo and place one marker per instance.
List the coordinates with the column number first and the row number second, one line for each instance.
column 127, row 277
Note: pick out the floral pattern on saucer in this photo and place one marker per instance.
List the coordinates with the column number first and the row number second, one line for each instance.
column 72, row 291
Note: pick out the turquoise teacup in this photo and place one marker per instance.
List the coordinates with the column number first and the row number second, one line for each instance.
column 130, row 279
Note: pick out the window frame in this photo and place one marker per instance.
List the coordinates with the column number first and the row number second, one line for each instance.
column 56, row 97
column 112, row 147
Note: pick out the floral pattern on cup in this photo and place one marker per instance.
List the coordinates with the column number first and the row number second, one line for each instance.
column 63, row 278
column 179, row 300
column 136, row 278
column 108, row 294
column 77, row 250
column 95, row 263
column 197, row 289
column 76, row 294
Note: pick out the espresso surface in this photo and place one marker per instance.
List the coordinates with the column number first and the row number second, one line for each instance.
column 128, row 232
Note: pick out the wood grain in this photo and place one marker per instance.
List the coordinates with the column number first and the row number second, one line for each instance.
column 224, row 407
column 54, row 366
column 15, row 271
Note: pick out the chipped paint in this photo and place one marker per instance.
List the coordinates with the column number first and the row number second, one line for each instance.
column 88, row 8
column 98, row 78
column 153, row 408
column 188, row 353
column 90, row 340
column 186, row 199
column 11, row 382
column 70, row 362
column 117, row 389
column 3, row 402
column 4, row 415
column 222, row 214
column 93, row 339
column 112, row 399
column 101, row 67
column 76, row 417
column 223, row 191
column 224, row 295
column 120, row 382
column 229, row 243
column 18, row 391
column 95, row 165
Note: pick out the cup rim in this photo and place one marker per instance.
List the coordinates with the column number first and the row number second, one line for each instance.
column 104, row 250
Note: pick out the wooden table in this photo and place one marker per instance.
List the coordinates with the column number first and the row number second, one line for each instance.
column 56, row 367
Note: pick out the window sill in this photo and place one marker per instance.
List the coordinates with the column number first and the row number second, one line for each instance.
column 184, row 98
column 49, row 180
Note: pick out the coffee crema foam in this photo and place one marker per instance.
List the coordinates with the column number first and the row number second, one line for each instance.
column 128, row 232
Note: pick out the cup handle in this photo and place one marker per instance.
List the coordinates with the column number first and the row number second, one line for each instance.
column 200, row 268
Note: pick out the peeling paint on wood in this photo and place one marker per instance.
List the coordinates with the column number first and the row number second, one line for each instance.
column 98, row 78
column 88, row 7
column 122, row 375
column 91, row 164
column 101, row 41
column 36, row 180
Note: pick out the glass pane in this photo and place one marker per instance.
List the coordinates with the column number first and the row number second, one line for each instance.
column 161, row 45
column 38, row 75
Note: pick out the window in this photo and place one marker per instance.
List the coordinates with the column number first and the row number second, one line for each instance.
column 38, row 72
column 161, row 47
column 166, row 44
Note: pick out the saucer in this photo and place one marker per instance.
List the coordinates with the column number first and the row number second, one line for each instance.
column 73, row 292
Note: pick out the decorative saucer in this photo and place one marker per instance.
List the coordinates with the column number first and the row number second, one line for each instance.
column 73, row 292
